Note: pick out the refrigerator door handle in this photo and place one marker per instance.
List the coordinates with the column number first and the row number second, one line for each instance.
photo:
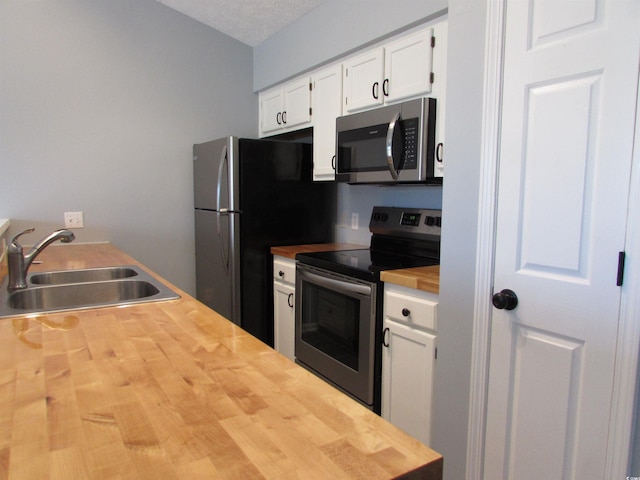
column 224, row 159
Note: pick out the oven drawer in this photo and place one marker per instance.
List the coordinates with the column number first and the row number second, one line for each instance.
column 284, row 270
column 413, row 307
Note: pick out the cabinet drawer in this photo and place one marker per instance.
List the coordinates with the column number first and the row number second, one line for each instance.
column 284, row 270
column 415, row 310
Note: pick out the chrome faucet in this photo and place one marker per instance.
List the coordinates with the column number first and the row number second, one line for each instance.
column 19, row 264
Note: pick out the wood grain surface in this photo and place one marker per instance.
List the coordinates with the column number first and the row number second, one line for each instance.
column 172, row 390
column 421, row 278
column 290, row 251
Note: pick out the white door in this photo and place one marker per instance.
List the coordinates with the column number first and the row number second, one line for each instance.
column 570, row 82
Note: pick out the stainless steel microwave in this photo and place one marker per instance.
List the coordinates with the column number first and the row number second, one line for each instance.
column 392, row 144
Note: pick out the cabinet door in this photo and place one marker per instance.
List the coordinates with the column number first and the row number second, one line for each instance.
column 284, row 318
column 407, row 378
column 408, row 66
column 439, row 91
column 363, row 76
column 326, row 101
column 297, row 103
column 566, row 109
column 271, row 103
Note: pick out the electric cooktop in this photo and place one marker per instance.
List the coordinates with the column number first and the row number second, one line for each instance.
column 401, row 238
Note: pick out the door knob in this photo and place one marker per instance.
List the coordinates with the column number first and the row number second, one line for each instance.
column 506, row 299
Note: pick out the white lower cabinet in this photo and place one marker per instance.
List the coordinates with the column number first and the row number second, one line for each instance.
column 408, row 359
column 284, row 287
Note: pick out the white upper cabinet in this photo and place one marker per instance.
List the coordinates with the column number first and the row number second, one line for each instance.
column 363, row 78
column 411, row 66
column 399, row 70
column 271, row 107
column 326, row 98
column 285, row 107
column 439, row 91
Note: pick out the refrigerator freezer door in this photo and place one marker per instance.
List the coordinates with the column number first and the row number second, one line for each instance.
column 215, row 179
column 217, row 275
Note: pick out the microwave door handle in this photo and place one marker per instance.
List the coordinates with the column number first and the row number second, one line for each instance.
column 390, row 132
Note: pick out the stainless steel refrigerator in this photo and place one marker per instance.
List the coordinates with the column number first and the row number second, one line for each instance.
column 250, row 195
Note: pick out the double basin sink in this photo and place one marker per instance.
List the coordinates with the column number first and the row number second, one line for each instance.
column 83, row 289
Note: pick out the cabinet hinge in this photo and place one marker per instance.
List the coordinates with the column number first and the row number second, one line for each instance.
column 620, row 277
column 433, row 41
column 436, row 353
column 310, row 86
column 432, row 77
column 310, row 111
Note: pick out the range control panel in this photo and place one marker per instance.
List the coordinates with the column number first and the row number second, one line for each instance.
column 405, row 221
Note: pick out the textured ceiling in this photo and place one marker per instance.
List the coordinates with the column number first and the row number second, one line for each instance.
column 249, row 21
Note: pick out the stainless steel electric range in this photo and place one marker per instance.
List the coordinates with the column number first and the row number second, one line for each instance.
column 339, row 299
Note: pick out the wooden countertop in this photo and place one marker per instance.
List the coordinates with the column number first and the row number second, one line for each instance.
column 172, row 390
column 421, row 278
column 290, row 251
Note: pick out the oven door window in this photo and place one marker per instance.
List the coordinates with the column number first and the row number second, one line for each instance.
column 331, row 323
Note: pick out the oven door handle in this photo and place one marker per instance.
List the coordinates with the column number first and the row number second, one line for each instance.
column 338, row 284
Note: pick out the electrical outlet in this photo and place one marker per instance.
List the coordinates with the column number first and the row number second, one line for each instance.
column 73, row 220
column 354, row 221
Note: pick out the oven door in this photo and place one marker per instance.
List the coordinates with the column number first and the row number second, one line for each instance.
column 335, row 329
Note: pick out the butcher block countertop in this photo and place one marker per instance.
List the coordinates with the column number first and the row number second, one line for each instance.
column 421, row 278
column 290, row 251
column 172, row 390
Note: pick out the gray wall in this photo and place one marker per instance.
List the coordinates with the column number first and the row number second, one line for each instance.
column 100, row 103
column 465, row 79
column 333, row 29
column 355, row 23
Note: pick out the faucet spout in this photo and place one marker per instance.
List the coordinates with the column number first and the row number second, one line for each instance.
column 19, row 263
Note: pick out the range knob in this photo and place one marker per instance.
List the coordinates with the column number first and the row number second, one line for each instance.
column 430, row 221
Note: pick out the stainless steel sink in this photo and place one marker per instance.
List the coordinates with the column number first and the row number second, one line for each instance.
column 82, row 276
column 83, row 289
